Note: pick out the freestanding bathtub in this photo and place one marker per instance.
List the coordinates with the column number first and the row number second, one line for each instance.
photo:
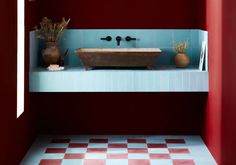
column 118, row 57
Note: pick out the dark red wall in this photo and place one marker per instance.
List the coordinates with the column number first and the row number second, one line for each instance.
column 114, row 113
column 118, row 113
column 202, row 14
column 16, row 134
column 123, row 13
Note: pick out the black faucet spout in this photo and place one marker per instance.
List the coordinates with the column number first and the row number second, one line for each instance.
column 128, row 38
column 118, row 39
column 108, row 38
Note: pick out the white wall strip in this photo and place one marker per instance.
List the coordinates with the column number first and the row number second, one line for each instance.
column 20, row 56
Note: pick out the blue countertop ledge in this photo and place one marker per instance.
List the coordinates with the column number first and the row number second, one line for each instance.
column 161, row 79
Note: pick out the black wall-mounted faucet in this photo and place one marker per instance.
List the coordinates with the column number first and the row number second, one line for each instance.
column 108, row 38
column 118, row 39
column 128, row 38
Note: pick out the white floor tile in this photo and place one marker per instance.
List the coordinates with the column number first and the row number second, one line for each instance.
column 158, row 150
column 181, row 156
column 97, row 145
column 138, row 156
column 95, row 156
column 76, row 150
column 161, row 162
column 137, row 145
column 117, row 162
column 177, row 146
column 53, row 156
column 117, row 150
column 72, row 162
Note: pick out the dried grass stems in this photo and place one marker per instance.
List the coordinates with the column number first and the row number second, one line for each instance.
column 181, row 47
column 49, row 31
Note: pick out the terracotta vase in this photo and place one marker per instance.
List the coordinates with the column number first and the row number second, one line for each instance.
column 181, row 60
column 51, row 54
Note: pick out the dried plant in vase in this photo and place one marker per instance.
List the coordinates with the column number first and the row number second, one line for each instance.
column 181, row 59
column 51, row 33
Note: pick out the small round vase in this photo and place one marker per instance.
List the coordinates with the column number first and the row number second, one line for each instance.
column 181, row 60
column 51, row 54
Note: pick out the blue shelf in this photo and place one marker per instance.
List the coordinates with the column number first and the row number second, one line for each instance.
column 78, row 80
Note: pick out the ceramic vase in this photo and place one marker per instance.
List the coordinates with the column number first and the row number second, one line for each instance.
column 181, row 60
column 51, row 54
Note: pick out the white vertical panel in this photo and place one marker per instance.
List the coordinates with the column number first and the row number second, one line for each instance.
column 20, row 56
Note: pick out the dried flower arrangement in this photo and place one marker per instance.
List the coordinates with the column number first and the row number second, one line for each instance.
column 181, row 47
column 49, row 31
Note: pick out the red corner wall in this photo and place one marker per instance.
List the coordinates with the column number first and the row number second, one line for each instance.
column 228, row 83
column 214, row 104
column 221, row 108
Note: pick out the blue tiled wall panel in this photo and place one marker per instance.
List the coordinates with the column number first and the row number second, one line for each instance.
column 147, row 38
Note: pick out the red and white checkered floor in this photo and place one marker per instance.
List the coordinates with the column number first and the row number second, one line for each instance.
column 118, row 150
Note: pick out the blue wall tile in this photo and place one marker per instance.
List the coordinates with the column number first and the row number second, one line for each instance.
column 182, row 35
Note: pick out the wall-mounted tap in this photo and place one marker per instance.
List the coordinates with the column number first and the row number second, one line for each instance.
column 128, row 38
column 108, row 38
column 118, row 39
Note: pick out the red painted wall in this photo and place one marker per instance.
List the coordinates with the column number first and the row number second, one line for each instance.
column 221, row 115
column 214, row 104
column 123, row 13
column 16, row 134
column 229, row 83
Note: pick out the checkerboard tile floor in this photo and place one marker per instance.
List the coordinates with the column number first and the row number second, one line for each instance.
column 118, row 150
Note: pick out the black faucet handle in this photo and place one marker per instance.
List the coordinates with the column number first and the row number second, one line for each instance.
column 128, row 38
column 108, row 38
column 118, row 39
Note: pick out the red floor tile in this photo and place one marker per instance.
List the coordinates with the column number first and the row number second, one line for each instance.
column 136, row 140
column 178, row 141
column 157, row 146
column 78, row 145
column 117, row 156
column 50, row 162
column 179, row 151
column 137, row 150
column 96, row 150
column 117, row 145
column 139, row 162
column 94, row 162
column 60, row 140
column 159, row 156
column 183, row 162
column 98, row 141
column 55, row 150
column 74, row 156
